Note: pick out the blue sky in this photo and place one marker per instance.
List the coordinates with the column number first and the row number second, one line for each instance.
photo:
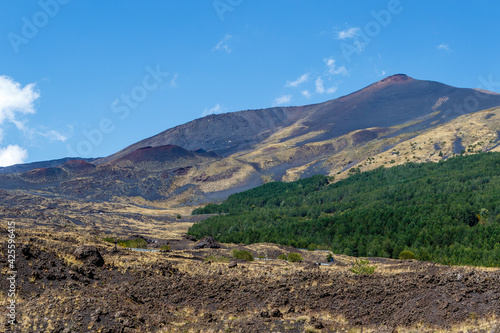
column 88, row 78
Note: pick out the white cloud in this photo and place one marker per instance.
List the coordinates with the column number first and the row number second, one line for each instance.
column 173, row 81
column 285, row 99
column 303, row 78
column 444, row 47
column 216, row 109
column 16, row 100
column 306, row 93
column 348, row 33
column 52, row 135
column 11, row 155
column 379, row 73
column 331, row 90
column 15, row 103
column 333, row 69
column 222, row 45
column 320, row 87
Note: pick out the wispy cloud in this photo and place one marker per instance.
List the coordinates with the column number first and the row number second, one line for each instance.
column 52, row 135
column 223, row 45
column 380, row 73
column 285, row 99
column 320, row 87
column 216, row 109
column 303, row 78
column 12, row 154
column 173, row 81
column 333, row 69
column 444, row 47
column 306, row 93
column 331, row 90
column 348, row 33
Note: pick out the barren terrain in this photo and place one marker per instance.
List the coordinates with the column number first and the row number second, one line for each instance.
column 183, row 291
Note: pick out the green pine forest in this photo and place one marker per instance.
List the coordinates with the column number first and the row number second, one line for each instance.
column 446, row 212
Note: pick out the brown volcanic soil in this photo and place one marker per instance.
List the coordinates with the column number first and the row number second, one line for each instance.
column 177, row 292
column 162, row 158
column 392, row 101
column 161, row 154
column 78, row 166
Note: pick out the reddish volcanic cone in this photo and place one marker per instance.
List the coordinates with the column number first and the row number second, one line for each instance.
column 78, row 166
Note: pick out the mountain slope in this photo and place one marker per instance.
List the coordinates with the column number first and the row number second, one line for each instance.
column 18, row 168
column 147, row 173
column 393, row 121
column 162, row 157
column 223, row 133
column 468, row 134
column 395, row 100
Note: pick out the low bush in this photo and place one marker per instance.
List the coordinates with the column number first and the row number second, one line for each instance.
column 242, row 254
column 294, row 257
column 216, row 258
column 406, row 254
column 138, row 243
column 362, row 267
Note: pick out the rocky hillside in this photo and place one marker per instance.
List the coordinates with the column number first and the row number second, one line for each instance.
column 396, row 120
column 393, row 101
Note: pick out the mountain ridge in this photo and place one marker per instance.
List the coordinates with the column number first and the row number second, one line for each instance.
column 228, row 133
column 393, row 121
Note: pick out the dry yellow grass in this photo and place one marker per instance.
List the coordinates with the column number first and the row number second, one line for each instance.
column 478, row 132
column 258, row 270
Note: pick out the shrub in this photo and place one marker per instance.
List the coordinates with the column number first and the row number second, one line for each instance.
column 362, row 267
column 311, row 247
column 215, row 258
column 242, row 254
column 109, row 239
column 131, row 243
column 294, row 257
column 266, row 178
column 406, row 254
column 137, row 243
column 179, row 216
column 282, row 257
column 329, row 257
column 165, row 247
